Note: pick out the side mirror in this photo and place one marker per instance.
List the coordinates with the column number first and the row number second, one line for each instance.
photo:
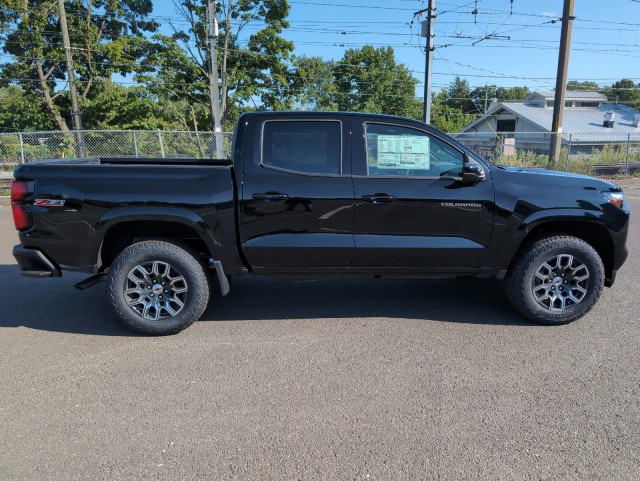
column 472, row 171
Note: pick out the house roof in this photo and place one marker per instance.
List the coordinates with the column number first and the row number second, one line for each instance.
column 571, row 95
column 584, row 124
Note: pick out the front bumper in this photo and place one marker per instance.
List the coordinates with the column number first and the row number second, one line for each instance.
column 34, row 263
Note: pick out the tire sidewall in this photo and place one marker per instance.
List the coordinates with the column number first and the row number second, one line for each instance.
column 183, row 262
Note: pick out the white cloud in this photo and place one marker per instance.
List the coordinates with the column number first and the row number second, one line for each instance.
column 549, row 14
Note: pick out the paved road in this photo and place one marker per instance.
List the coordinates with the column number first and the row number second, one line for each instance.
column 346, row 380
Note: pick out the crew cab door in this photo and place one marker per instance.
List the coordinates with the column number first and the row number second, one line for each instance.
column 410, row 214
column 297, row 203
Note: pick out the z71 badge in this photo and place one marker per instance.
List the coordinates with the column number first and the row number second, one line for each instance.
column 49, row 202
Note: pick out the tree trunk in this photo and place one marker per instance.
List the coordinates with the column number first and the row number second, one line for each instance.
column 223, row 72
column 48, row 101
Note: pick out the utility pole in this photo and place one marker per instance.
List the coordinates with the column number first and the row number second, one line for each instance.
column 75, row 106
column 561, row 82
column 486, row 98
column 214, row 90
column 428, row 31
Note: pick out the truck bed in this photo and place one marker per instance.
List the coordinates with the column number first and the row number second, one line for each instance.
column 76, row 203
column 135, row 161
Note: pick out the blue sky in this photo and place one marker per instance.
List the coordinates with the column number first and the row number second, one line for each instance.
column 605, row 43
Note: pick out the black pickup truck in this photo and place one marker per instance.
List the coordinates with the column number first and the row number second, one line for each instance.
column 318, row 195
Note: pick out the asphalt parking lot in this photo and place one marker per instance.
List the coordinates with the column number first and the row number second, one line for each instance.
column 349, row 380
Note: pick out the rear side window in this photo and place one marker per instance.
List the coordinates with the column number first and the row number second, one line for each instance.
column 309, row 147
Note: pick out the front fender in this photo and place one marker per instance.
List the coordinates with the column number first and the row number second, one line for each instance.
column 531, row 222
column 511, row 233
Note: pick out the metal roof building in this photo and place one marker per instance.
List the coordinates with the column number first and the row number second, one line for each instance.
column 587, row 119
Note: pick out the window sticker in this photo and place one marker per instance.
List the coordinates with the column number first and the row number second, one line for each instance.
column 403, row 152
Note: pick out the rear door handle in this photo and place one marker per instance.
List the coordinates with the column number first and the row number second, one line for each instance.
column 379, row 198
column 270, row 196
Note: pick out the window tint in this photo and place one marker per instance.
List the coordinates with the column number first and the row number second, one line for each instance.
column 401, row 151
column 310, row 147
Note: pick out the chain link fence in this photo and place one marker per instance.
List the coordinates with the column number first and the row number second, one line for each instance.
column 25, row 147
column 593, row 154
column 604, row 155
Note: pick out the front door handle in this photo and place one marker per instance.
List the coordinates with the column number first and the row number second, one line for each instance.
column 379, row 198
column 270, row 196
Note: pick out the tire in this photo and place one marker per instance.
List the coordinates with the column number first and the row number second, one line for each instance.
column 555, row 280
column 158, row 287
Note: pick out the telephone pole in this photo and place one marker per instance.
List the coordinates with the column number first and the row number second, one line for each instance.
column 214, row 89
column 486, row 97
column 75, row 106
column 428, row 31
column 561, row 82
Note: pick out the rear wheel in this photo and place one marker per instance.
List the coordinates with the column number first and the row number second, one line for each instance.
column 557, row 280
column 158, row 287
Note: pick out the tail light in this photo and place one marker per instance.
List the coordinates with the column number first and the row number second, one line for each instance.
column 20, row 190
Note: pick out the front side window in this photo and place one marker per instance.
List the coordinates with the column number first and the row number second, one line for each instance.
column 301, row 146
column 393, row 150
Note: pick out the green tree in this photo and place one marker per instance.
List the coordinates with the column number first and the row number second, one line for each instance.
column 20, row 111
column 513, row 93
column 627, row 92
column 485, row 95
column 258, row 73
column 370, row 80
column 459, row 97
column 584, row 86
column 314, row 83
column 114, row 106
column 448, row 119
column 106, row 37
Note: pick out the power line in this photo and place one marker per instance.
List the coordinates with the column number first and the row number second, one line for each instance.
column 372, row 7
column 366, row 5
column 531, row 44
column 490, row 74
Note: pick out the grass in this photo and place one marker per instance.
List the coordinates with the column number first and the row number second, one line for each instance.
column 576, row 163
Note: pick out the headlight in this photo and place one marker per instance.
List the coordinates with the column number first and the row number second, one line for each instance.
column 616, row 198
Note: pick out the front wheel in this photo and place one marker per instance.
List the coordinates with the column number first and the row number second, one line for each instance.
column 556, row 280
column 158, row 287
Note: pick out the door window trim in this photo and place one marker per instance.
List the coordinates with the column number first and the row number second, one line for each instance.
column 298, row 172
column 419, row 177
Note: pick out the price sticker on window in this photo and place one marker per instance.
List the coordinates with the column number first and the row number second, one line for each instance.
column 403, row 152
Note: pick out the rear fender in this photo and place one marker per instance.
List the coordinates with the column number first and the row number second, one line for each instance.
column 159, row 214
